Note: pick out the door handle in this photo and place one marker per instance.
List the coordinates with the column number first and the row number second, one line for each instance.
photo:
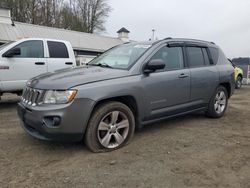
column 39, row 63
column 4, row 67
column 183, row 75
column 68, row 63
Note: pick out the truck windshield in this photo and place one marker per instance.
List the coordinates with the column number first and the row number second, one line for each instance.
column 121, row 57
column 4, row 45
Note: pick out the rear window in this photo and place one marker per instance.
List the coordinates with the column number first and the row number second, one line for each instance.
column 214, row 54
column 57, row 50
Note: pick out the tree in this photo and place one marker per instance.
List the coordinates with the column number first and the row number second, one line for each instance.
column 80, row 15
column 94, row 14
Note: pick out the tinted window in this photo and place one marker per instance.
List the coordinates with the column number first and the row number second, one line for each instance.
column 172, row 56
column 195, row 57
column 214, row 54
column 31, row 49
column 205, row 55
column 57, row 50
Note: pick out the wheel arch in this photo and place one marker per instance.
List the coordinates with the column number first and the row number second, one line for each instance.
column 240, row 75
column 128, row 100
column 228, row 87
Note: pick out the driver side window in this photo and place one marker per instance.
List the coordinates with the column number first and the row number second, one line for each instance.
column 172, row 56
column 30, row 49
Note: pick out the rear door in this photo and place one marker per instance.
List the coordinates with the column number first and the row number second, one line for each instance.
column 58, row 56
column 20, row 68
column 204, row 75
column 167, row 90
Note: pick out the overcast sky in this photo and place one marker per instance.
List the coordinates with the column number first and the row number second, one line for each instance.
column 225, row 22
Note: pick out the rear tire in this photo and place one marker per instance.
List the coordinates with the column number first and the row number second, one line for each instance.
column 110, row 127
column 218, row 103
column 238, row 83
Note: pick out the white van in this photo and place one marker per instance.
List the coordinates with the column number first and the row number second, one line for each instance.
column 27, row 58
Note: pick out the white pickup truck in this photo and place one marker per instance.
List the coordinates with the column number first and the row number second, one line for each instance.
column 27, row 58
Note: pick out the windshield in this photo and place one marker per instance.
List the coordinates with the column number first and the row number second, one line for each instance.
column 4, row 45
column 121, row 57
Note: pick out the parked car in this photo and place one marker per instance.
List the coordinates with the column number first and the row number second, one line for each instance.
column 238, row 75
column 241, row 61
column 27, row 58
column 127, row 87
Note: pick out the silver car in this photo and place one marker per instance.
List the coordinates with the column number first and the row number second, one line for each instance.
column 125, row 88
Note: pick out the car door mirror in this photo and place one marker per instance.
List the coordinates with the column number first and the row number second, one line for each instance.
column 12, row 52
column 154, row 65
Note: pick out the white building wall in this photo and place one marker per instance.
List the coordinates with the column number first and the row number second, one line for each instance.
column 5, row 16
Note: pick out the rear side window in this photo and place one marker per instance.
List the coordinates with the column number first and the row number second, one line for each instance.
column 214, row 54
column 195, row 57
column 205, row 55
column 57, row 50
column 173, row 57
column 31, row 49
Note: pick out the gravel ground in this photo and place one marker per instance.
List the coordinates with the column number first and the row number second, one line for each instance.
column 190, row 151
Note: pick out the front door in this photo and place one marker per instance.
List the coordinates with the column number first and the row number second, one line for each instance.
column 166, row 91
column 20, row 68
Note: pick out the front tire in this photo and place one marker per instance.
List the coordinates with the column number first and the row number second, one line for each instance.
column 110, row 127
column 238, row 82
column 218, row 103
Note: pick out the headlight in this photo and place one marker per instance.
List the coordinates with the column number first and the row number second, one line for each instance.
column 59, row 97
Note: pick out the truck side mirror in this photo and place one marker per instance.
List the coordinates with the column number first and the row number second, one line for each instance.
column 12, row 52
column 154, row 65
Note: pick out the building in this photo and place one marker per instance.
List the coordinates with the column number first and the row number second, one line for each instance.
column 86, row 46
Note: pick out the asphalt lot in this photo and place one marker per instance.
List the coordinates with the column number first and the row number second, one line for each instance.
column 190, row 151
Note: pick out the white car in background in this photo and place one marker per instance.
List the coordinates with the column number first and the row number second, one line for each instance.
column 27, row 58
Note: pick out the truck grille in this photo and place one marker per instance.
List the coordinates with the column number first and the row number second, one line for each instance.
column 32, row 97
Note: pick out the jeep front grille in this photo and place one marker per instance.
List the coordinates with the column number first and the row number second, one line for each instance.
column 32, row 97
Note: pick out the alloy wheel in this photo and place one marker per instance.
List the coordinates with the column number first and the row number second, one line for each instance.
column 113, row 129
column 220, row 102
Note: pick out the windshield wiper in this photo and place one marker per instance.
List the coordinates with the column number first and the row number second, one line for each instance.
column 101, row 65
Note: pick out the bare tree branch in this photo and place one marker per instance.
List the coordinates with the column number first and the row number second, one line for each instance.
column 80, row 15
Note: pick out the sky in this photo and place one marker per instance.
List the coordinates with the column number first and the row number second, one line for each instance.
column 225, row 22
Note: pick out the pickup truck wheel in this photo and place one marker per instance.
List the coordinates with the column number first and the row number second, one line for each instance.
column 238, row 82
column 110, row 127
column 218, row 103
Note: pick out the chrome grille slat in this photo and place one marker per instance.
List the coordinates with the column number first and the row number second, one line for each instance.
column 36, row 93
column 32, row 97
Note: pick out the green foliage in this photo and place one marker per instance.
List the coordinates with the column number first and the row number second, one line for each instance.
column 80, row 15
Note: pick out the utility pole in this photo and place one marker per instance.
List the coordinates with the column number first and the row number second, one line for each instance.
column 153, row 37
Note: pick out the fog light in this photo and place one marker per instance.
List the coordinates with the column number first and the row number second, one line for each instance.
column 52, row 121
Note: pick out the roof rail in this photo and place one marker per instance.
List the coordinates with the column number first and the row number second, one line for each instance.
column 158, row 41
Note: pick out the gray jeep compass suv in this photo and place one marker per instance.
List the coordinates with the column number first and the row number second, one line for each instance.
column 127, row 87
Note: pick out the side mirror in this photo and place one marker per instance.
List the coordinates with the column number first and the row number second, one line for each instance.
column 153, row 65
column 12, row 52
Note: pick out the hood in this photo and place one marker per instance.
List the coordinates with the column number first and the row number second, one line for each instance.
column 67, row 78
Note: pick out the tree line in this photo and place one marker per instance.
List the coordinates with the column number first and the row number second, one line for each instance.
column 79, row 15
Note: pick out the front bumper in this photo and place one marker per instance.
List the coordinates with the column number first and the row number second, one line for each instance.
column 71, row 127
